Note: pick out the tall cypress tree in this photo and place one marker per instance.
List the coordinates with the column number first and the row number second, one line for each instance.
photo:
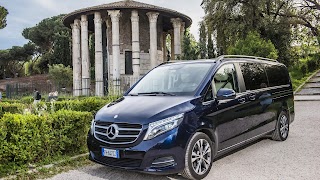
column 203, row 41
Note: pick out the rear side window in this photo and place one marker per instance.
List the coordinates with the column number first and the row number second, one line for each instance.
column 254, row 75
column 277, row 74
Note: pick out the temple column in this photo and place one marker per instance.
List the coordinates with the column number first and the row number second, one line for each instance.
column 76, row 58
column 182, row 30
column 172, row 44
column 115, row 16
column 176, row 22
column 98, row 54
column 135, row 44
column 85, row 56
column 153, row 18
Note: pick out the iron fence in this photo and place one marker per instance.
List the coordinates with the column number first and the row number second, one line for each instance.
column 111, row 87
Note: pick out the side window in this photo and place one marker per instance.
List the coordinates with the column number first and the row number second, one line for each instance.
column 226, row 77
column 209, row 95
column 254, row 75
column 277, row 75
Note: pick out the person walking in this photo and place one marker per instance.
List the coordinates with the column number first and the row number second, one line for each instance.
column 36, row 96
column 0, row 96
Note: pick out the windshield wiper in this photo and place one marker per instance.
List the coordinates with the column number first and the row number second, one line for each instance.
column 157, row 93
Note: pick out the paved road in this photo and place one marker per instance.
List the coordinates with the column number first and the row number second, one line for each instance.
column 296, row 158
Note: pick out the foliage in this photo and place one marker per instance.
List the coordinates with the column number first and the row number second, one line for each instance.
column 190, row 46
column 12, row 60
column 11, row 107
column 29, row 138
column 61, row 75
column 53, row 40
column 3, row 15
column 234, row 19
column 211, row 51
column 91, row 104
column 253, row 45
column 203, row 41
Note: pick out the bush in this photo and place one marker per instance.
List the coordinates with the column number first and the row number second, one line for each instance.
column 312, row 65
column 30, row 138
column 91, row 104
column 11, row 108
column 254, row 45
column 304, row 69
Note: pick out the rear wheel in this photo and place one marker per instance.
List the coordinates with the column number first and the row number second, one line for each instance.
column 281, row 132
column 199, row 156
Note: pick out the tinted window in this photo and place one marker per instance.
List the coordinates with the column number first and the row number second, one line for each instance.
column 277, row 75
column 226, row 77
column 254, row 75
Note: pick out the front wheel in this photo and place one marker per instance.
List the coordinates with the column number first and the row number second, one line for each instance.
column 281, row 132
column 199, row 157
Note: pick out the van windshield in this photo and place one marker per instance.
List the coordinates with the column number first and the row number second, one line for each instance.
column 173, row 79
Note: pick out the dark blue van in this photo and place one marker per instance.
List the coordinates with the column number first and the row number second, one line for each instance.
column 180, row 116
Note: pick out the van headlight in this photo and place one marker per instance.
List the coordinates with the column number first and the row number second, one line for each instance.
column 159, row 127
column 92, row 127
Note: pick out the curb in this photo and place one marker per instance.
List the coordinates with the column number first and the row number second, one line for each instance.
column 304, row 83
column 46, row 166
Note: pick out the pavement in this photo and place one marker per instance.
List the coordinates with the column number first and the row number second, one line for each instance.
column 311, row 90
column 296, row 158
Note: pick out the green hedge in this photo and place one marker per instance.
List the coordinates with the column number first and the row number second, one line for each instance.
column 11, row 108
column 91, row 104
column 30, row 138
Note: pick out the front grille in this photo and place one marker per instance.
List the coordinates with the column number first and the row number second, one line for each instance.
column 124, row 162
column 127, row 133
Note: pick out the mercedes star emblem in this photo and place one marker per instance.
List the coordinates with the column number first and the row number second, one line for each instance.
column 112, row 131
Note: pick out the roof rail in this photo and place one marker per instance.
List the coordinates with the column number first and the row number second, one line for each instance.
column 243, row 56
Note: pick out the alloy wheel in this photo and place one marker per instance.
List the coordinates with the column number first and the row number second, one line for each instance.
column 201, row 156
column 284, row 126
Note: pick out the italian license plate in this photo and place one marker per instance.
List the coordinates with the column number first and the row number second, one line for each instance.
column 110, row 153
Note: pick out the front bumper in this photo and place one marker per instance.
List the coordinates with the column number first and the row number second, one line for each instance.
column 142, row 154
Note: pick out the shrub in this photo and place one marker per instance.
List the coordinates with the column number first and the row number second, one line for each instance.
column 11, row 108
column 30, row 138
column 254, row 45
column 312, row 65
column 304, row 69
column 91, row 104
column 60, row 75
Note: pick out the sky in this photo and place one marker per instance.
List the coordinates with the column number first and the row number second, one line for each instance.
column 28, row 13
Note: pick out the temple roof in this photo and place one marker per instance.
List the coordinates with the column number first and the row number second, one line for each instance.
column 127, row 4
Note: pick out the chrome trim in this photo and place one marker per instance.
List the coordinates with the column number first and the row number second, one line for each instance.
column 245, row 141
column 118, row 136
column 163, row 162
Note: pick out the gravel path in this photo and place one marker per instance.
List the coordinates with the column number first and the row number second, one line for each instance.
column 296, row 158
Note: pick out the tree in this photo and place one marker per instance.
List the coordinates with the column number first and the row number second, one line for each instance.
column 3, row 15
column 190, row 46
column 12, row 60
column 254, row 45
column 203, row 41
column 53, row 40
column 233, row 19
column 211, row 52
column 60, row 75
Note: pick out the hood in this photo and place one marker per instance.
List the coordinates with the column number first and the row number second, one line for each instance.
column 144, row 109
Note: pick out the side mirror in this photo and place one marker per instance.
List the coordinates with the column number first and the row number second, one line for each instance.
column 225, row 93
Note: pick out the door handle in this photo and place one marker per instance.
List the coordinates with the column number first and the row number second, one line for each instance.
column 242, row 100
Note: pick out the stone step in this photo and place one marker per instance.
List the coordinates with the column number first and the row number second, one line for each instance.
column 307, row 98
column 315, row 79
column 312, row 85
column 309, row 91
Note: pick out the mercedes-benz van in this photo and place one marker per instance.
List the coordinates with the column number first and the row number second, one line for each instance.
column 180, row 116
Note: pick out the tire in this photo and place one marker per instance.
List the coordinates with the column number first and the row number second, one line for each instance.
column 281, row 131
column 192, row 170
